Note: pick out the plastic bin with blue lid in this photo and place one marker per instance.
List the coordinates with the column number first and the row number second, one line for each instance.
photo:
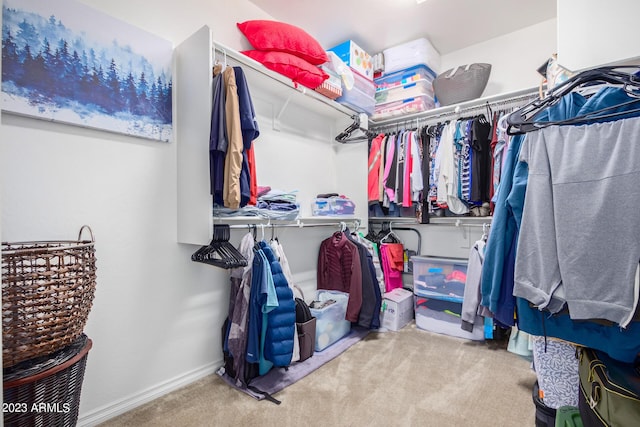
column 405, row 77
column 400, row 93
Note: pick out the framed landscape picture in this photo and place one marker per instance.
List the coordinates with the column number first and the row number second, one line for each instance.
column 63, row 61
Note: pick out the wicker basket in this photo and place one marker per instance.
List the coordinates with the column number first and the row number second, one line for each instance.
column 45, row 391
column 47, row 293
column 461, row 84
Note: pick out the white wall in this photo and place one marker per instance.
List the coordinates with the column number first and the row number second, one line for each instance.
column 156, row 317
column 590, row 35
column 514, row 57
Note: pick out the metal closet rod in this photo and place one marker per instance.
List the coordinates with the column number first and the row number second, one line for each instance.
column 299, row 224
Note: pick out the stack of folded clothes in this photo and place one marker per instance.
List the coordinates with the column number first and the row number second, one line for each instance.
column 271, row 204
column 277, row 204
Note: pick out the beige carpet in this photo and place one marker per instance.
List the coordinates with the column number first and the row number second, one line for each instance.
column 406, row 378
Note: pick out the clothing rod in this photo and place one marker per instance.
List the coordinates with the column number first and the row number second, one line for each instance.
column 415, row 231
column 459, row 223
column 299, row 224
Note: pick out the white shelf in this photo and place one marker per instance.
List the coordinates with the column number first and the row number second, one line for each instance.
column 194, row 64
column 278, row 86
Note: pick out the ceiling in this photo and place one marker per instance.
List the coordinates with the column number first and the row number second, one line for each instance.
column 378, row 24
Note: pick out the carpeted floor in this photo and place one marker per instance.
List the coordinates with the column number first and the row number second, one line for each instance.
column 406, row 378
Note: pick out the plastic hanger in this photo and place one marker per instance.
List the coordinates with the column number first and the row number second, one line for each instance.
column 220, row 252
column 387, row 233
column 485, row 232
column 522, row 120
column 363, row 134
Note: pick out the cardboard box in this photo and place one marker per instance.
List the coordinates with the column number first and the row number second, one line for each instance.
column 355, row 57
column 397, row 309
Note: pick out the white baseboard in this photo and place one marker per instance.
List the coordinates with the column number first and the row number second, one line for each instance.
column 130, row 402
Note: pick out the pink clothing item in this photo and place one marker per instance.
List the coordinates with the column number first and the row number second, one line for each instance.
column 383, row 150
column 408, row 163
column 392, row 274
column 375, row 161
column 391, row 148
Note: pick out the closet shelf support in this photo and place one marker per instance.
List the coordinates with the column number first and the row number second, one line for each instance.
column 278, row 115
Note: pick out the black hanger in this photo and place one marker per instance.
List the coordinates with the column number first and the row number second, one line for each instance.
column 364, row 134
column 522, row 120
column 220, row 252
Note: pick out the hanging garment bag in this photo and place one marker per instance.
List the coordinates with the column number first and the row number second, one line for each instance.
column 609, row 390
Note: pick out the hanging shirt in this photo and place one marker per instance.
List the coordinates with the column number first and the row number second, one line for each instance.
column 471, row 300
column 406, row 176
column 596, row 169
column 447, row 174
column 401, row 154
column 392, row 255
column 369, row 316
column 217, row 138
column 481, row 168
column 262, row 300
column 383, row 163
column 339, row 270
column 250, row 131
column 239, row 313
column 416, row 167
column 467, row 156
column 234, row 158
column 390, row 170
column 621, row 344
column 375, row 162
column 508, row 208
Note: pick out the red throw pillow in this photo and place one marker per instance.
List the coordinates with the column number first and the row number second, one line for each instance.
column 278, row 36
column 297, row 69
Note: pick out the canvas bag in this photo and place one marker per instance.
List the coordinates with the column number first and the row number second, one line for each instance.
column 609, row 390
column 306, row 325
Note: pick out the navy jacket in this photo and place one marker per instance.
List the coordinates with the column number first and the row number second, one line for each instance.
column 250, row 131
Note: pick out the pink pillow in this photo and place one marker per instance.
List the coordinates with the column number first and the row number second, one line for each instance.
column 297, row 69
column 278, row 36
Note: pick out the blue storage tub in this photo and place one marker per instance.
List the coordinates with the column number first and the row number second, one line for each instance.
column 405, row 77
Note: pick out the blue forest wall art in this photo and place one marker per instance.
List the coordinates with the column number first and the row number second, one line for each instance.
column 66, row 62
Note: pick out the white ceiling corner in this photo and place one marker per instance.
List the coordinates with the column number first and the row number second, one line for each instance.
column 378, row 24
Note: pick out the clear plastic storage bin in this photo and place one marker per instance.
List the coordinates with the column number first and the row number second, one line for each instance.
column 438, row 287
column 333, row 206
column 400, row 93
column 330, row 318
column 361, row 97
column 442, row 278
column 407, row 106
column 405, row 77
column 443, row 317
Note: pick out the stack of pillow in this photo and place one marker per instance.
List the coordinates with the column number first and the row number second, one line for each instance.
column 286, row 49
